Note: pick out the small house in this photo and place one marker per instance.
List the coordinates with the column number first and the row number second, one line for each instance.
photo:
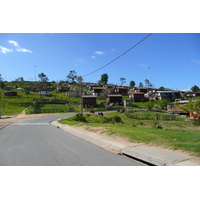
column 89, row 101
column 192, row 94
column 121, row 90
column 63, row 88
column 136, row 96
column 175, row 109
column 73, row 94
column 98, row 91
column 7, row 88
column 139, row 89
column 10, row 93
column 44, row 93
column 114, row 98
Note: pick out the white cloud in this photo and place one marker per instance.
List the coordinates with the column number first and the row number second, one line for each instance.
column 23, row 50
column 99, row 52
column 93, row 57
column 18, row 48
column 196, row 61
column 5, row 50
column 13, row 43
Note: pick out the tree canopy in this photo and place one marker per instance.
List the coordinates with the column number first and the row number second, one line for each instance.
column 43, row 77
column 195, row 88
column 132, row 83
column 72, row 77
column 104, row 79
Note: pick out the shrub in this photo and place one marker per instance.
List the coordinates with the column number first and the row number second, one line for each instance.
column 115, row 119
column 196, row 122
column 79, row 117
column 156, row 124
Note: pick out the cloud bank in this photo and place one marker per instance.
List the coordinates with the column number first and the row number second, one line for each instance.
column 5, row 50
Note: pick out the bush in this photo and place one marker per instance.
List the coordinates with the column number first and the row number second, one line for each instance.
column 196, row 122
column 115, row 119
column 79, row 117
column 156, row 124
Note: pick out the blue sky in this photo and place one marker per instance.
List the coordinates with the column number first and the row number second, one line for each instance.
column 173, row 59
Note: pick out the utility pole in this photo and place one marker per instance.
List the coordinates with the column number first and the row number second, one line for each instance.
column 80, row 81
column 35, row 73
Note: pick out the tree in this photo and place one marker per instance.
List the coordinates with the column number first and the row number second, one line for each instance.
column 104, row 79
column 150, row 104
column 162, row 103
column 195, row 88
column 72, row 76
column 147, row 82
column 161, row 88
column 122, row 80
column 1, row 78
column 132, row 83
column 141, row 84
column 43, row 77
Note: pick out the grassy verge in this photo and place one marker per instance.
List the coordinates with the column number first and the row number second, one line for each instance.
column 181, row 135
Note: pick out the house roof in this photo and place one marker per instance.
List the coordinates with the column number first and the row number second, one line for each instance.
column 114, row 95
column 184, row 101
column 125, row 88
column 89, row 96
column 98, row 88
column 136, row 92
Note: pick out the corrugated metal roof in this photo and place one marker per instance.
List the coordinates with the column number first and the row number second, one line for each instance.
column 89, row 96
column 114, row 95
column 137, row 93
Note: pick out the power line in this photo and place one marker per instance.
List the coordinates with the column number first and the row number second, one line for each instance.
column 119, row 56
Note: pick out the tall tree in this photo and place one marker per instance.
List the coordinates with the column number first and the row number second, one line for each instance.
column 104, row 79
column 72, row 76
column 132, row 83
column 195, row 88
column 141, row 84
column 43, row 77
column 1, row 78
column 122, row 80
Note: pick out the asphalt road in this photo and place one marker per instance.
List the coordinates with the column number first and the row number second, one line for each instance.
column 34, row 142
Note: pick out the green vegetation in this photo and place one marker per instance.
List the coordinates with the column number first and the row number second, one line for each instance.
column 178, row 134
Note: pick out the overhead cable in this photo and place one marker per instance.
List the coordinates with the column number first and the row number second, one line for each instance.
column 119, row 56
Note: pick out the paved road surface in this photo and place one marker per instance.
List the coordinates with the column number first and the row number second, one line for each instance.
column 34, row 142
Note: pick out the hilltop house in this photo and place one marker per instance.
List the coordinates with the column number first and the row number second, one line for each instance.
column 167, row 95
column 121, row 90
column 192, row 94
column 63, row 88
column 89, row 101
column 97, row 91
column 114, row 98
column 175, row 109
column 136, row 96
column 10, row 93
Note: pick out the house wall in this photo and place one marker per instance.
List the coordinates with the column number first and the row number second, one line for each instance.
column 174, row 108
column 89, row 102
column 73, row 94
column 9, row 94
column 114, row 99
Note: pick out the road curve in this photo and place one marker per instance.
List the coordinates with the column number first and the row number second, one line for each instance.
column 34, row 142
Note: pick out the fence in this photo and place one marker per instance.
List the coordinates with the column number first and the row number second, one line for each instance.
column 153, row 117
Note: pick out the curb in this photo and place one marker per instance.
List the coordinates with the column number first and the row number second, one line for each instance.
column 146, row 154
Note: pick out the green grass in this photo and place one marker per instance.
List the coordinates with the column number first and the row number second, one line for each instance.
column 181, row 135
